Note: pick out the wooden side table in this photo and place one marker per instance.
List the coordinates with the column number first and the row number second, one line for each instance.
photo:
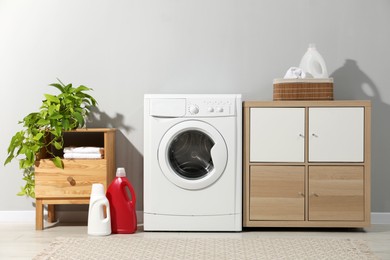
column 72, row 185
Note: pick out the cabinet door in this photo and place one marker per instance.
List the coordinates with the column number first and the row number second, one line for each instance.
column 336, row 193
column 277, row 134
column 276, row 193
column 336, row 134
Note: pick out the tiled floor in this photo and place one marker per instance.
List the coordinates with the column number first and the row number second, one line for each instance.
column 21, row 241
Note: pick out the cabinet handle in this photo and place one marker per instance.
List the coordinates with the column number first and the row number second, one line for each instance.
column 71, row 181
column 301, row 135
column 315, row 194
column 301, row 194
column 314, row 135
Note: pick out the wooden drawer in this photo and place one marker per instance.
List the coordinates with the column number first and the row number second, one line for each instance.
column 336, row 193
column 74, row 181
column 277, row 192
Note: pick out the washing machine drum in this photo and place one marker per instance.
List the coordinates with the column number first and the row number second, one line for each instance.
column 193, row 155
column 189, row 154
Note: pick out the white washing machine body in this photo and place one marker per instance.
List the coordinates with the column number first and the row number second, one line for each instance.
column 192, row 162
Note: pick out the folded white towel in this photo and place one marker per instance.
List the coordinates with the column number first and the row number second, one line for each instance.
column 296, row 73
column 83, row 155
column 84, row 149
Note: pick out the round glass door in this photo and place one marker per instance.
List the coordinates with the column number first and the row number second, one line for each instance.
column 189, row 154
column 192, row 154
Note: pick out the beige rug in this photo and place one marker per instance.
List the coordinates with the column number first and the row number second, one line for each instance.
column 130, row 247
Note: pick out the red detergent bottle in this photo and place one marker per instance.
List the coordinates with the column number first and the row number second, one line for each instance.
column 122, row 205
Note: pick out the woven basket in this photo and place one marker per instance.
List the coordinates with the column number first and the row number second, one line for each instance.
column 303, row 89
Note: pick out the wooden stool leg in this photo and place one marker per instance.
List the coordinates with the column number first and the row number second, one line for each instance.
column 38, row 214
column 51, row 213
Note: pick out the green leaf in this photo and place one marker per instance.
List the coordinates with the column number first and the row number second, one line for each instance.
column 79, row 118
column 58, row 86
column 37, row 147
column 79, row 109
column 57, row 145
column 55, row 116
column 38, row 136
column 65, row 124
column 22, row 192
column 9, row 159
column 58, row 129
column 58, row 162
column 55, row 133
column 52, row 98
column 22, row 163
column 68, row 88
column 52, row 109
column 15, row 141
column 30, row 156
column 81, row 88
column 43, row 122
column 44, row 113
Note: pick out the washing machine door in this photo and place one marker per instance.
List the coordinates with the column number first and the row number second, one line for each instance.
column 192, row 154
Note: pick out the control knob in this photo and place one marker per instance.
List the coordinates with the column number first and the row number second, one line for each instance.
column 194, row 109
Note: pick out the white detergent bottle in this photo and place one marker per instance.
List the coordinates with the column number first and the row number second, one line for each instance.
column 99, row 219
column 313, row 64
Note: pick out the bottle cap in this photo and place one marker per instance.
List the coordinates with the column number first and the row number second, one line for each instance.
column 120, row 172
column 97, row 189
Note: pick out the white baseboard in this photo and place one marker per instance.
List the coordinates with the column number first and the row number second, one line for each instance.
column 28, row 216
column 380, row 217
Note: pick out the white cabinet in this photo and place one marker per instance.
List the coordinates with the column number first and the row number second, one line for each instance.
column 277, row 134
column 307, row 164
column 336, row 134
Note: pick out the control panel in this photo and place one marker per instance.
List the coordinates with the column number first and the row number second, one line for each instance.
column 210, row 107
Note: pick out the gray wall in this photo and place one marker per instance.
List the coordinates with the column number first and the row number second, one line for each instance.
column 123, row 49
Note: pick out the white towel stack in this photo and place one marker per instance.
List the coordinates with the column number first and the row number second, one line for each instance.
column 85, row 152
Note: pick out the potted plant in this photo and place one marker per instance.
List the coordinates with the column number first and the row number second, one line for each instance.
column 44, row 129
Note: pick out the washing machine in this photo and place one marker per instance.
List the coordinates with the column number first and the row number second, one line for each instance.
column 192, row 162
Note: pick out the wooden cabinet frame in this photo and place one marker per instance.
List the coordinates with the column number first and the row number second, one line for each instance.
column 317, row 219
